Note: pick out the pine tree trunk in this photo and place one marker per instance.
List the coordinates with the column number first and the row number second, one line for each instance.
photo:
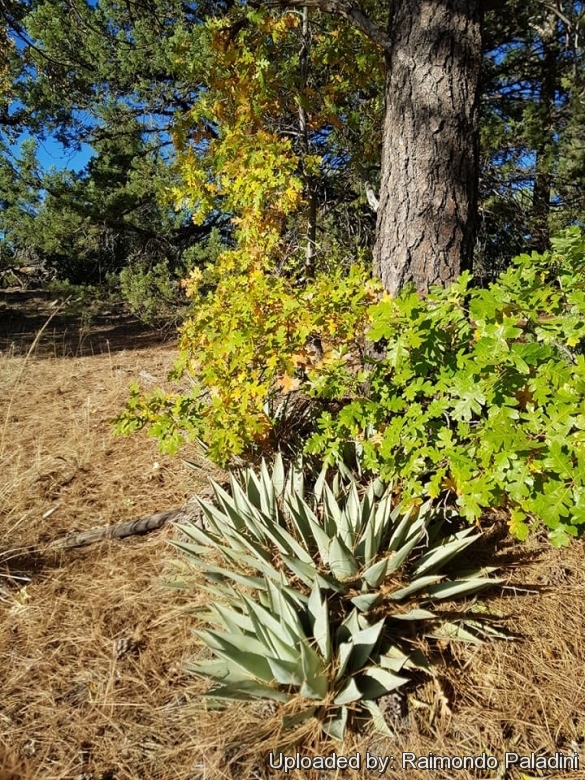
column 428, row 191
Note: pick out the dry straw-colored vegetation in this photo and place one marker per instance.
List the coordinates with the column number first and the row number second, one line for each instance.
column 93, row 646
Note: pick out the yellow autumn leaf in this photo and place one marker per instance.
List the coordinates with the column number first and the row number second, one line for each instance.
column 288, row 384
column 414, row 504
column 517, row 524
column 191, row 284
column 300, row 358
column 450, row 484
column 376, row 439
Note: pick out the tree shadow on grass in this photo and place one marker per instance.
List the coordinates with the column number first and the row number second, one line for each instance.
column 105, row 328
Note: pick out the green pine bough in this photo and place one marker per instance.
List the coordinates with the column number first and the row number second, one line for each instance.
column 316, row 601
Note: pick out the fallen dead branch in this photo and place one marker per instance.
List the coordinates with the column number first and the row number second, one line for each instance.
column 142, row 525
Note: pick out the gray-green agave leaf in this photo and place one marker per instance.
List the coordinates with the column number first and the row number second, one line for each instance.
column 317, row 595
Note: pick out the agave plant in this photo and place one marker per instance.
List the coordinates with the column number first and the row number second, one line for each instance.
column 315, row 597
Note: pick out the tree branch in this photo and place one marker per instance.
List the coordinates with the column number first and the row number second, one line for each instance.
column 191, row 512
column 344, row 8
column 371, row 196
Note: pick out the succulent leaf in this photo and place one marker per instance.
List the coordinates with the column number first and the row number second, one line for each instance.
column 250, row 660
column 286, row 672
column 422, row 583
column 320, row 615
column 278, row 475
column 451, row 590
column 343, row 565
column 376, row 573
column 314, row 588
column 378, row 719
column 367, row 601
column 363, row 643
column 349, row 694
column 335, row 726
column 376, row 681
column 441, row 554
column 315, row 683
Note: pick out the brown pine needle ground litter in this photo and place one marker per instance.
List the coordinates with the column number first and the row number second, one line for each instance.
column 93, row 644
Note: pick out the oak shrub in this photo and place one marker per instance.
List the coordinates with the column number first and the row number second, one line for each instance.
column 474, row 396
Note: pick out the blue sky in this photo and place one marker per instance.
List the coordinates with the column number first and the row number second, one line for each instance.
column 52, row 154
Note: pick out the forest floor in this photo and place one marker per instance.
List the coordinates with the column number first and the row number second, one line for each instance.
column 93, row 645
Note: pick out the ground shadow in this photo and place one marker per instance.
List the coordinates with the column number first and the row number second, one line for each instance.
column 106, row 328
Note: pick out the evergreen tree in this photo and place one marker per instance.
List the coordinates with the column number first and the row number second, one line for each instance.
column 20, row 201
column 102, row 76
column 139, row 82
column 531, row 129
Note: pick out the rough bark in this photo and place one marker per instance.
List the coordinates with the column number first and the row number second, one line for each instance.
column 428, row 192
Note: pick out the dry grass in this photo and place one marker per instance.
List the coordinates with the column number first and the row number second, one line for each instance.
column 93, row 646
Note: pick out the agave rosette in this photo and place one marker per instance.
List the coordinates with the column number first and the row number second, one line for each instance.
column 311, row 596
